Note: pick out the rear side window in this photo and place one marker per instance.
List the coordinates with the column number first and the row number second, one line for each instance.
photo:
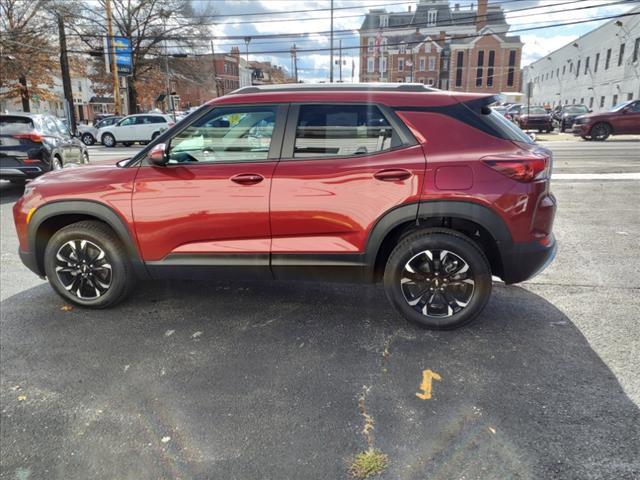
column 342, row 130
column 503, row 127
column 10, row 124
column 158, row 120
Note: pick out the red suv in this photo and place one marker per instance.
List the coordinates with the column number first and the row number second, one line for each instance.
column 431, row 192
column 620, row 120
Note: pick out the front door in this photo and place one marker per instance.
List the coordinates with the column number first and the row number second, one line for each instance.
column 125, row 129
column 343, row 167
column 208, row 208
column 629, row 120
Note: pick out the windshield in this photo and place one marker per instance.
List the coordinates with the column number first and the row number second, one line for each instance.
column 620, row 106
column 576, row 109
column 536, row 111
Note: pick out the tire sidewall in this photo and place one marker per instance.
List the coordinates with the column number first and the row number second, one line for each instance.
column 460, row 246
column 108, row 135
column 88, row 137
column 119, row 270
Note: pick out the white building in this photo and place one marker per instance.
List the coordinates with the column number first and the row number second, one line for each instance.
column 244, row 73
column 599, row 70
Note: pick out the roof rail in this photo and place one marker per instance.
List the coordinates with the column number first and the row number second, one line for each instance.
column 310, row 87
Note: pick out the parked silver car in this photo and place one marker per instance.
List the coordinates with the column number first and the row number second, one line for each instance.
column 89, row 133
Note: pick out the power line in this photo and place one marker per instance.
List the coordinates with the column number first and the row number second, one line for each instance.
column 376, row 29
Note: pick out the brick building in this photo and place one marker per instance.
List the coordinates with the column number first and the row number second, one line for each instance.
column 450, row 48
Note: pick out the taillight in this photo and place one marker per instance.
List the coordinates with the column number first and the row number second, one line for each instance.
column 522, row 168
column 34, row 137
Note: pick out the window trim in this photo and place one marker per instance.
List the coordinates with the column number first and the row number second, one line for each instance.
column 406, row 137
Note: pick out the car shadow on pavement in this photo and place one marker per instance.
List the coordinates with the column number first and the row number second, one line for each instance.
column 218, row 380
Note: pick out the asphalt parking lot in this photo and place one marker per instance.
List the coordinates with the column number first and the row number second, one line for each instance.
column 191, row 380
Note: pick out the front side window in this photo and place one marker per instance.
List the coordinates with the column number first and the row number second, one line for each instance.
column 342, row 130
column 127, row 121
column 226, row 134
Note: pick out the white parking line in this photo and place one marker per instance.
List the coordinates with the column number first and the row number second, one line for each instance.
column 596, row 176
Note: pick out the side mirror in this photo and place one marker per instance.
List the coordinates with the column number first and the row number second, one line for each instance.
column 158, row 155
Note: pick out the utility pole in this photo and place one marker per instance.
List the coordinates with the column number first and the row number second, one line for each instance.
column 112, row 56
column 66, row 75
column 215, row 75
column 331, row 47
column 340, row 58
column 294, row 62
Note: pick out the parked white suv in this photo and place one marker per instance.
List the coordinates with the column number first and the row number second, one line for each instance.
column 142, row 127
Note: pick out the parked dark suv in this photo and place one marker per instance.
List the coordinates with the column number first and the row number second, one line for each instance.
column 32, row 144
column 565, row 115
column 430, row 192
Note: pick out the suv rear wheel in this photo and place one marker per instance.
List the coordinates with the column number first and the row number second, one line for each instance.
column 87, row 264
column 438, row 278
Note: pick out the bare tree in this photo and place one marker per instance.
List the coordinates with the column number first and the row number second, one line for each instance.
column 28, row 51
column 148, row 24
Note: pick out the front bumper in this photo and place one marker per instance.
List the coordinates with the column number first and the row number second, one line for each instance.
column 522, row 261
column 581, row 130
column 30, row 261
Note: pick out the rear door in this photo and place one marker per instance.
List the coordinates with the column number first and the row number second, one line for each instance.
column 343, row 167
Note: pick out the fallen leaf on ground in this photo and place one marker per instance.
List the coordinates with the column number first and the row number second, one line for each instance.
column 196, row 335
column 22, row 398
column 492, row 430
column 66, row 308
column 168, row 333
column 165, row 439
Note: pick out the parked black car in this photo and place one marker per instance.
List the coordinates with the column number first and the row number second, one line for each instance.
column 32, row 144
column 565, row 115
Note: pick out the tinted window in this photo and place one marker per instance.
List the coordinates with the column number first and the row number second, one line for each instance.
column 157, row 119
column 506, row 129
column 10, row 124
column 226, row 134
column 340, row 130
column 536, row 110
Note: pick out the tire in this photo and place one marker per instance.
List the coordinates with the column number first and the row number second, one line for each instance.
column 584, row 137
column 88, row 139
column 154, row 136
column 465, row 300
column 127, row 144
column 600, row 131
column 56, row 163
column 85, row 158
column 562, row 127
column 17, row 181
column 108, row 140
column 88, row 238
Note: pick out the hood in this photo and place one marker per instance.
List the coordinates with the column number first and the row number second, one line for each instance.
column 74, row 174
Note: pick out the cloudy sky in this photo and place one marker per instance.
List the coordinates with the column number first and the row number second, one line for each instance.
column 279, row 16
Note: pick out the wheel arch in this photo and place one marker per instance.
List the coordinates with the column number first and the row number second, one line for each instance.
column 51, row 217
column 476, row 221
column 606, row 122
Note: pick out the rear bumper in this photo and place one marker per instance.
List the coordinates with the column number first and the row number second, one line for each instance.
column 522, row 261
column 16, row 173
column 30, row 261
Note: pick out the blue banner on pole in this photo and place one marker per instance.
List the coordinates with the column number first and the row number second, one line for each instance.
column 122, row 50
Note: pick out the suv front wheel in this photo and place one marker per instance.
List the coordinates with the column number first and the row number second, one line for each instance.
column 438, row 278
column 87, row 264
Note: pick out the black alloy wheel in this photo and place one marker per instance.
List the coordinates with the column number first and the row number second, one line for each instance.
column 88, row 265
column 438, row 278
column 600, row 131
